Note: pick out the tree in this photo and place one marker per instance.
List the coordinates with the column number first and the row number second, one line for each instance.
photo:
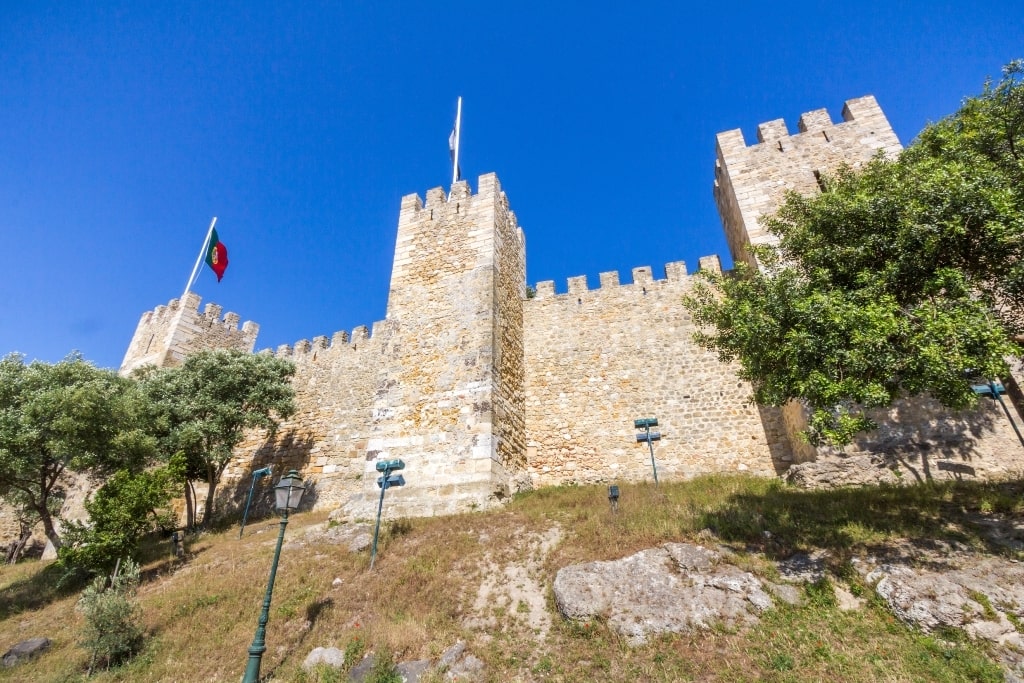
column 128, row 506
column 60, row 418
column 896, row 280
column 203, row 407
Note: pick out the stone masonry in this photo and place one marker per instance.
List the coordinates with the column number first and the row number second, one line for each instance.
column 484, row 391
column 750, row 181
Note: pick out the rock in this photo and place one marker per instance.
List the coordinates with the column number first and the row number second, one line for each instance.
column 833, row 472
column 361, row 670
column 675, row 588
column 845, row 600
column 411, row 672
column 791, row 595
column 331, row 656
column 931, row 589
column 357, row 537
column 451, row 655
column 803, row 567
column 25, row 650
column 469, row 669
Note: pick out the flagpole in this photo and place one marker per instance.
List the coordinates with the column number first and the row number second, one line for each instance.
column 458, row 126
column 202, row 253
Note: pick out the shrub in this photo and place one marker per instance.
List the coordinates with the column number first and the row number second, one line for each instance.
column 112, row 633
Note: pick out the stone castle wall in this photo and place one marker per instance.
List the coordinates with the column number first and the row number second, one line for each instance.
column 448, row 363
column 483, row 391
column 598, row 359
column 335, row 383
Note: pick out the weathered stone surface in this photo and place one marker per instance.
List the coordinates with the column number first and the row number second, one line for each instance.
column 25, row 650
column 516, row 587
column 847, row 471
column 360, row 671
column 930, row 588
column 411, row 672
column 469, row 669
column 671, row 589
column 330, row 656
column 451, row 655
column 356, row 537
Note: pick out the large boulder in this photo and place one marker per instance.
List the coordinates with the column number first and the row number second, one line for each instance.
column 675, row 588
column 25, row 650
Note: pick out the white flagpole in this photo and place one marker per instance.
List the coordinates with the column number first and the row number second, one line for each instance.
column 202, row 253
column 458, row 126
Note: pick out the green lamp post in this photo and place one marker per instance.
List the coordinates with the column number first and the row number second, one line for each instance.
column 288, row 493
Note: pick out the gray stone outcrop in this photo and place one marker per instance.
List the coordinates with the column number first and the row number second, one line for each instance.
column 672, row 589
column 25, row 650
column 945, row 587
column 328, row 656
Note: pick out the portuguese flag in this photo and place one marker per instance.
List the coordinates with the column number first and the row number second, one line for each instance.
column 217, row 255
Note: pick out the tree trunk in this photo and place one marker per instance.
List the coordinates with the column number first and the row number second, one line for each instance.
column 48, row 527
column 190, row 506
column 19, row 546
column 208, row 509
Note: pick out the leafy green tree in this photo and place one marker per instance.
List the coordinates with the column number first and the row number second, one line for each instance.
column 60, row 418
column 128, row 506
column 203, row 407
column 896, row 280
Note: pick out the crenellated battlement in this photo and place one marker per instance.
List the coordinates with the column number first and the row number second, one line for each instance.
column 862, row 113
column 643, row 277
column 165, row 335
column 751, row 180
column 321, row 346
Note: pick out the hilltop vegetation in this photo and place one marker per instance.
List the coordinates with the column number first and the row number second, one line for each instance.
column 425, row 594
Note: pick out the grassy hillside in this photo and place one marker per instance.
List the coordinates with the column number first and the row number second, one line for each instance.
column 485, row 578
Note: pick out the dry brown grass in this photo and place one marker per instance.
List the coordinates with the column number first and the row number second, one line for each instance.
column 200, row 613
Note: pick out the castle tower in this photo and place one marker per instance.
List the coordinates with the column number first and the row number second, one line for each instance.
column 167, row 334
column 750, row 181
column 449, row 398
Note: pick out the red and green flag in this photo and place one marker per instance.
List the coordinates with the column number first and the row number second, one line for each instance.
column 217, row 255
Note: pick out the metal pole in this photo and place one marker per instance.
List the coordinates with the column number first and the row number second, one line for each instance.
column 245, row 515
column 258, row 473
column 202, row 253
column 458, row 126
column 651, row 444
column 376, row 530
column 259, row 646
column 992, row 388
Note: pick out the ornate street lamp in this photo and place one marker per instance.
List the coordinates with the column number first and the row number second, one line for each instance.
column 288, row 493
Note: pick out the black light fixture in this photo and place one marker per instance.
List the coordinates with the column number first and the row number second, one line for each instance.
column 613, row 497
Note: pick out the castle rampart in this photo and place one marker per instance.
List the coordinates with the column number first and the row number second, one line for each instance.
column 750, row 181
column 484, row 390
column 597, row 359
column 167, row 334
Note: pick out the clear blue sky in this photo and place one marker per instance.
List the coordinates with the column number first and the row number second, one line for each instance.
column 125, row 126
